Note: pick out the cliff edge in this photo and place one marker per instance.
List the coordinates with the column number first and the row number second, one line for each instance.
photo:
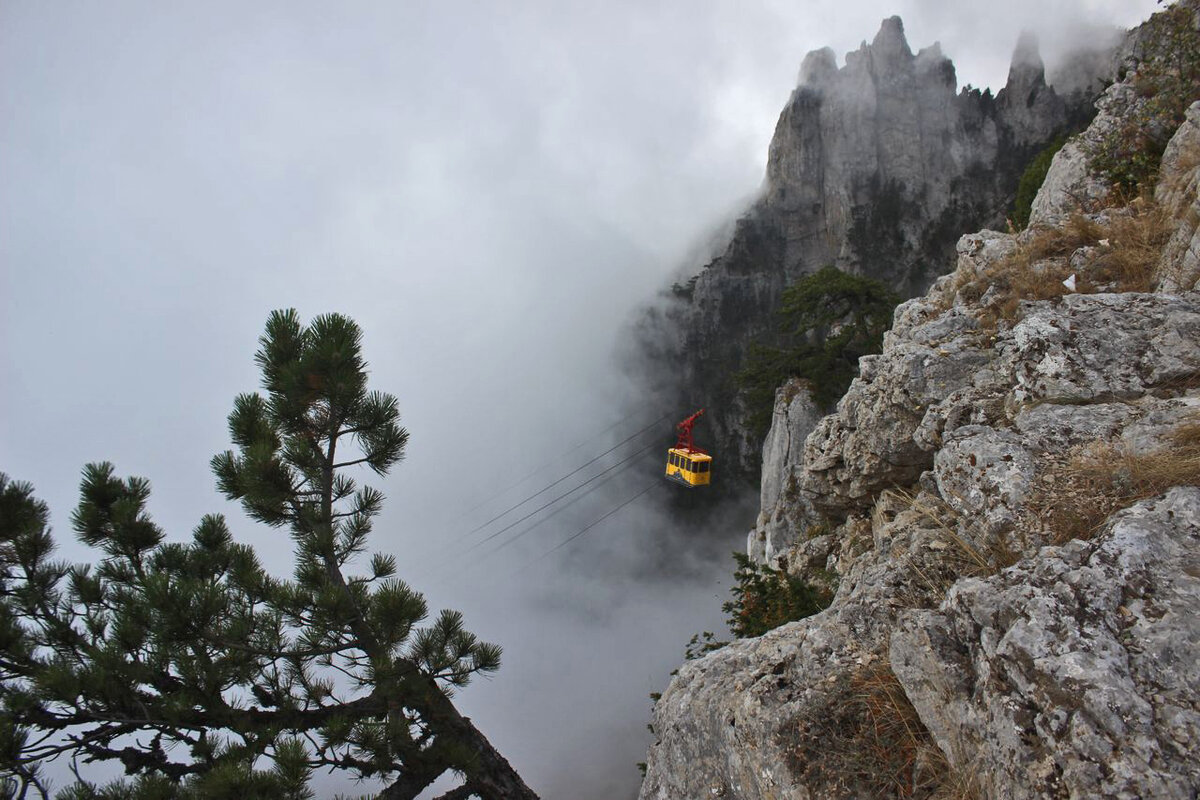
column 875, row 167
column 1007, row 499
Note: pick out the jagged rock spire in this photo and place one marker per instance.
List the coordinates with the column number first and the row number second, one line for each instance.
column 889, row 44
column 1026, row 69
column 1031, row 107
column 818, row 67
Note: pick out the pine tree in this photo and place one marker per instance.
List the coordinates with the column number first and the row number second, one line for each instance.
column 828, row 320
column 201, row 674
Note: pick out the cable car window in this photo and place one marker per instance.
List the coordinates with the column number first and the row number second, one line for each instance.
column 704, row 465
column 691, row 465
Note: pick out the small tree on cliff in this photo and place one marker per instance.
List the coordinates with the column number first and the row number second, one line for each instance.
column 828, row 320
column 206, row 677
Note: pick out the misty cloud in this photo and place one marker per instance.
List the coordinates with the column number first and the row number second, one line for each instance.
column 489, row 191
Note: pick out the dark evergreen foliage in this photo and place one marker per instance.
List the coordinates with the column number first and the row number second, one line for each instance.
column 765, row 598
column 202, row 675
column 1031, row 181
column 829, row 320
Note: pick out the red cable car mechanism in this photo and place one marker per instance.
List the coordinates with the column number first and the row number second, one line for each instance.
column 686, row 463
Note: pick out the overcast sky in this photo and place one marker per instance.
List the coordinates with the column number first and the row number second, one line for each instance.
column 489, row 189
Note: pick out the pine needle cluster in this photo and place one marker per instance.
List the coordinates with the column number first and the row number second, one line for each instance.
column 827, row 321
column 202, row 675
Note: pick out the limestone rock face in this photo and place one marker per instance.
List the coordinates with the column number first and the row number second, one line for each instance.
column 1065, row 675
column 1180, row 264
column 783, row 515
column 1035, row 659
column 940, row 375
column 1070, row 185
column 1068, row 674
column 1006, row 501
column 731, row 724
column 1089, row 348
column 876, row 167
column 871, row 443
column 1074, row 673
column 722, row 722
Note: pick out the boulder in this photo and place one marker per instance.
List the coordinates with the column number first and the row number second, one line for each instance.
column 1073, row 673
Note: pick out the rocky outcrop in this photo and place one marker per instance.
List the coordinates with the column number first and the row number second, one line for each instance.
column 782, row 511
column 1007, row 500
column 1071, row 184
column 1180, row 263
column 729, row 722
column 876, row 167
column 1074, row 673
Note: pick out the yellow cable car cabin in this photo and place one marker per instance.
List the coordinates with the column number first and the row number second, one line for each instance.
column 689, row 467
column 686, row 463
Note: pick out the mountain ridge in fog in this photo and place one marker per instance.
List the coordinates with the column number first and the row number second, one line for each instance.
column 875, row 167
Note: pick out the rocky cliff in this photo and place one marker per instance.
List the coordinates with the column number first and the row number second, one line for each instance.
column 1007, row 498
column 876, row 167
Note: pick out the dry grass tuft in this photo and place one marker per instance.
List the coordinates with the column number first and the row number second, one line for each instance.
column 1178, row 185
column 1136, row 245
column 872, row 743
column 968, row 552
column 1075, row 493
column 1124, row 251
column 1079, row 231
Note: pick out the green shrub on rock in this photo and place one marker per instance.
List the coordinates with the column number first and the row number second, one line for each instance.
column 828, row 321
column 1167, row 81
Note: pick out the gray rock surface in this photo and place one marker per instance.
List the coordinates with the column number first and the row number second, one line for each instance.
column 1074, row 673
column 1035, row 671
column 1070, row 185
column 722, row 725
column 1180, row 263
column 782, row 517
column 984, row 473
column 1095, row 348
column 937, row 374
column 876, row 167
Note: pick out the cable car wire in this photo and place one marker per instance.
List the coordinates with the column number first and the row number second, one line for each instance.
column 587, row 528
column 620, row 468
column 544, row 506
column 606, row 474
column 624, row 465
column 573, row 500
column 554, row 460
column 573, row 472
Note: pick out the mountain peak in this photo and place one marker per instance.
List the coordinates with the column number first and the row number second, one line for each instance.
column 818, row 67
column 1026, row 101
column 1026, row 69
column 890, row 42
